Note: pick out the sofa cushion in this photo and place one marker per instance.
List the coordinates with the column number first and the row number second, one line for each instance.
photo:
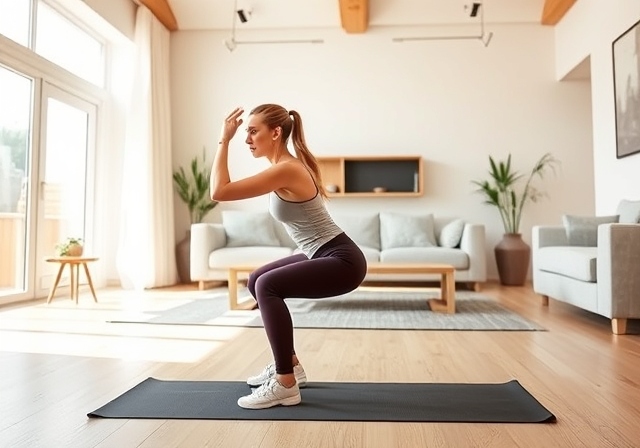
column 629, row 211
column 363, row 228
column 451, row 234
column 583, row 230
column 571, row 261
column 249, row 228
column 440, row 255
column 371, row 254
column 252, row 255
column 400, row 230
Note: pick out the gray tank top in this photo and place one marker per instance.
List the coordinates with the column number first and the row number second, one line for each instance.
column 308, row 223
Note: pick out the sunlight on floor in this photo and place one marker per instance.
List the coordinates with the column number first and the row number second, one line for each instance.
column 64, row 328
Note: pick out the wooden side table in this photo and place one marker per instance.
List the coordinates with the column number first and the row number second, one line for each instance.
column 74, row 267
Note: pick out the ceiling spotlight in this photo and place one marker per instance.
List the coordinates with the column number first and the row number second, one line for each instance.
column 475, row 7
column 244, row 15
column 482, row 36
column 486, row 38
column 230, row 44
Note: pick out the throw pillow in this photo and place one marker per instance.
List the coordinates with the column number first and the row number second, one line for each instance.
column 451, row 234
column 398, row 230
column 249, row 228
column 362, row 228
column 629, row 211
column 583, row 230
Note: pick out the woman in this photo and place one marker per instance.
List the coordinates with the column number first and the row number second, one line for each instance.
column 330, row 263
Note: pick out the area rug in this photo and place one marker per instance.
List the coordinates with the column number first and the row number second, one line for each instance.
column 325, row 401
column 360, row 309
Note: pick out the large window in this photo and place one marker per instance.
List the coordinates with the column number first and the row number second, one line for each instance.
column 15, row 20
column 48, row 136
column 15, row 124
column 57, row 38
column 69, row 46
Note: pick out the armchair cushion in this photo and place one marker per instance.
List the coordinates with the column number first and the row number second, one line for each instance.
column 574, row 262
column 249, row 229
column 629, row 212
column 583, row 230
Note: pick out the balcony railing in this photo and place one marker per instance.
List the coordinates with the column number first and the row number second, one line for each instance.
column 13, row 247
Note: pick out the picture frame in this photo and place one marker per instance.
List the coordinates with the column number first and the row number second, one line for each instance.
column 626, row 91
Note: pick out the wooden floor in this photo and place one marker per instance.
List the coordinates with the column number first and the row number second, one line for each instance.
column 60, row 361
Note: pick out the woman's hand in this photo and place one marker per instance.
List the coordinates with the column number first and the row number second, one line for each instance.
column 231, row 124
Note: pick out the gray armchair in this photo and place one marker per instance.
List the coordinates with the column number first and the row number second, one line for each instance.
column 601, row 276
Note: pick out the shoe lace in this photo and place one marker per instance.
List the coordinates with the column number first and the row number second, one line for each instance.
column 263, row 390
column 269, row 370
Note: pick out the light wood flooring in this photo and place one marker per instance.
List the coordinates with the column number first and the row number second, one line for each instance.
column 60, row 361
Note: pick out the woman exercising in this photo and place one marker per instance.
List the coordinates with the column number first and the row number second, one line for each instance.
column 330, row 264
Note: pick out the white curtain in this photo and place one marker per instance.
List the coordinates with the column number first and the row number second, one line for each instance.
column 146, row 252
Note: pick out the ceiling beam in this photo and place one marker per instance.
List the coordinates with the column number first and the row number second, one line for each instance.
column 163, row 12
column 354, row 15
column 554, row 10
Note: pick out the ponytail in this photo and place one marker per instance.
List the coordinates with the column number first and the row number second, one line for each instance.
column 303, row 153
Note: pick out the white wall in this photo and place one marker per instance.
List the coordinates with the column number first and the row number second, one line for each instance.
column 615, row 179
column 453, row 102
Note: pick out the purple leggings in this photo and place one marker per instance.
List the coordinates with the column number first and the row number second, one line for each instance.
column 338, row 267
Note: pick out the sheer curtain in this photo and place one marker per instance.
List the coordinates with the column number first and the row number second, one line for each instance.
column 146, row 252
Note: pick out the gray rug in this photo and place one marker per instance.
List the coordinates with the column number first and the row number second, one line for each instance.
column 360, row 309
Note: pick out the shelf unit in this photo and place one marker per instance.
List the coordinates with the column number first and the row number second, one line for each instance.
column 357, row 176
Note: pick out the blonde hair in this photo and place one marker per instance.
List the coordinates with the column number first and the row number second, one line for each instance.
column 290, row 122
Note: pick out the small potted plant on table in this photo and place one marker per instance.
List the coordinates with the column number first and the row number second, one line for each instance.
column 71, row 247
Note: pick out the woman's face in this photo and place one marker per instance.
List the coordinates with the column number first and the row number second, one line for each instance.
column 260, row 138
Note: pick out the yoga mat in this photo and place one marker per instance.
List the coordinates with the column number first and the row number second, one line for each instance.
column 332, row 401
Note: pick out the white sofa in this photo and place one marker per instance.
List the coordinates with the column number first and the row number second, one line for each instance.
column 592, row 263
column 256, row 239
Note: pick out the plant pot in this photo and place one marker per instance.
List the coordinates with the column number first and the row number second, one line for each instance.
column 74, row 250
column 183, row 258
column 513, row 256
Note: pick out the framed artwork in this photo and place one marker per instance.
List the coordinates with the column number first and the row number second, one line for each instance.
column 626, row 87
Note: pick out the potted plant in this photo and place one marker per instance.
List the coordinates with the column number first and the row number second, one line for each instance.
column 71, row 247
column 504, row 192
column 193, row 189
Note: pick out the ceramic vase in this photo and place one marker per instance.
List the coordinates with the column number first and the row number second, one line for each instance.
column 183, row 258
column 512, row 258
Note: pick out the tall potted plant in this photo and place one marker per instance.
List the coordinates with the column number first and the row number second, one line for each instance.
column 502, row 191
column 193, row 189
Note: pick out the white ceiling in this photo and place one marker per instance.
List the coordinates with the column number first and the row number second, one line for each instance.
column 279, row 14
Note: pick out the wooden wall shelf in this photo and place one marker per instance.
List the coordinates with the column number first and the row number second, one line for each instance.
column 357, row 176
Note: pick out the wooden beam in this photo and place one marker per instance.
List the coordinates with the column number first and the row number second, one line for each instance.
column 554, row 10
column 354, row 15
column 163, row 12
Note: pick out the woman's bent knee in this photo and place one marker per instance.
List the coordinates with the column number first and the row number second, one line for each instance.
column 251, row 283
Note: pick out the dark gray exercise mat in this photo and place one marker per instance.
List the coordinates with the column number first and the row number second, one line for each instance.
column 385, row 402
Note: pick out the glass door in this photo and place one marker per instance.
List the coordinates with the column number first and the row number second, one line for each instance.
column 66, row 179
column 16, row 100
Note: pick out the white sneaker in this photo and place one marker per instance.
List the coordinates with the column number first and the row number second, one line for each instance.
column 270, row 372
column 270, row 394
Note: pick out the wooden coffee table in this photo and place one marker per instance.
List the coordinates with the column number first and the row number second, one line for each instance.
column 447, row 301
column 445, row 304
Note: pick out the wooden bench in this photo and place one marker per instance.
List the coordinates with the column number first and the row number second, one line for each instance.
column 446, row 303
